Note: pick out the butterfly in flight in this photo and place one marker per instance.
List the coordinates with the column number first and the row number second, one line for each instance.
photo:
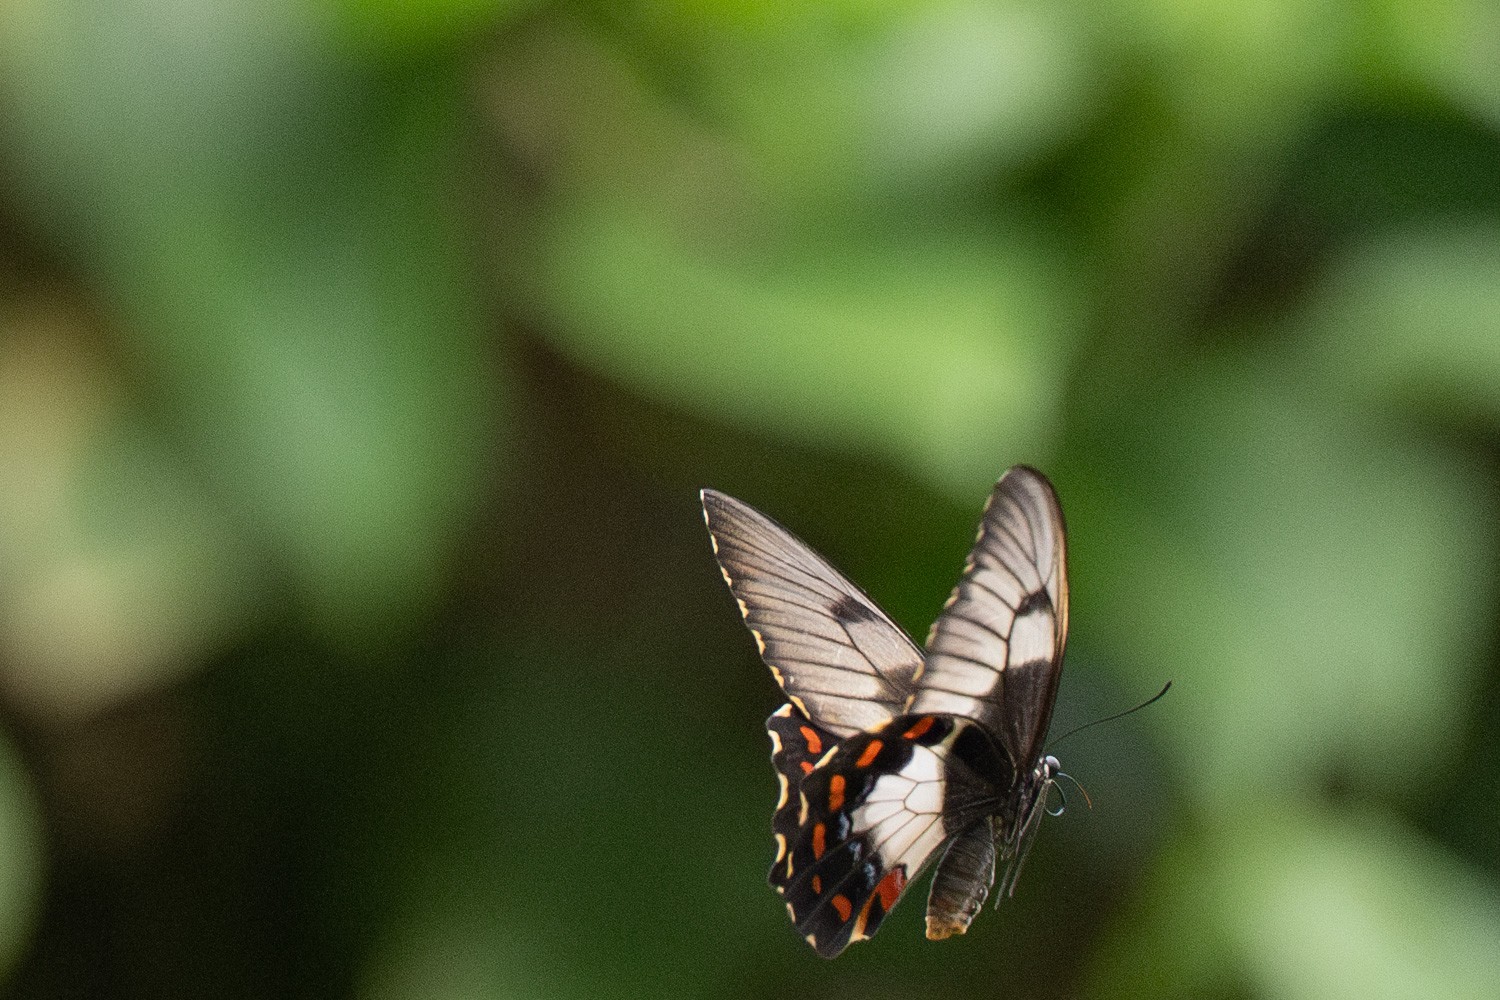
column 889, row 758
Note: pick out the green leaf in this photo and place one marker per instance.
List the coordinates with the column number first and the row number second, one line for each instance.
column 1410, row 318
column 1316, row 585
column 1355, row 907
column 21, row 848
column 943, row 352
column 1279, row 901
column 278, row 233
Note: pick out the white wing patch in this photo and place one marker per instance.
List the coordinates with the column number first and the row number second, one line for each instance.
column 903, row 812
column 1033, row 638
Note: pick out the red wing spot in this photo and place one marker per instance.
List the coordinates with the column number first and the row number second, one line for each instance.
column 817, row 886
column 819, row 840
column 871, row 752
column 917, row 731
column 890, row 887
column 836, row 793
column 807, row 767
column 814, row 745
column 887, row 891
column 842, row 904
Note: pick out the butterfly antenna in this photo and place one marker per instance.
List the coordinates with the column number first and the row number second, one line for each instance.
column 1079, row 784
column 1111, row 718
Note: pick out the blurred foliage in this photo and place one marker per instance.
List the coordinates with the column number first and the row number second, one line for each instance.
column 359, row 363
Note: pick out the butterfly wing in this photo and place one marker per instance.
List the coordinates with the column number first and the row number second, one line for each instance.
column 870, row 815
column 995, row 654
column 840, row 660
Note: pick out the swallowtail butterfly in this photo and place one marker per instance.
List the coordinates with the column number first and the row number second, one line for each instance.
column 888, row 758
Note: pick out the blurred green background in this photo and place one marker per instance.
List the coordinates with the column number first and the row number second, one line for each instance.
column 360, row 363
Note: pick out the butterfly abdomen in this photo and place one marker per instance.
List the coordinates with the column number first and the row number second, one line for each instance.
column 962, row 882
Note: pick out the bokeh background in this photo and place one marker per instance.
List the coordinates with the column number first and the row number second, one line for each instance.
column 360, row 363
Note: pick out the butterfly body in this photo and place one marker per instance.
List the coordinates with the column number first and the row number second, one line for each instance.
column 889, row 758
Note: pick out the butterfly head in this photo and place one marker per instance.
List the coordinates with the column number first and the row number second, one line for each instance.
column 1044, row 779
column 1044, row 776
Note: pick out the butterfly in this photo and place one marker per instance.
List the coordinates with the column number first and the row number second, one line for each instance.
column 888, row 758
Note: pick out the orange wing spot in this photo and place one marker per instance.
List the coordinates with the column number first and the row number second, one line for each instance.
column 890, row 887
column 817, row 886
column 842, row 904
column 807, row 767
column 819, row 840
column 871, row 752
column 836, row 793
column 917, row 731
column 863, row 921
column 814, row 744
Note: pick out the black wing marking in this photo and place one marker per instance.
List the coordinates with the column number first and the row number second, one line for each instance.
column 840, row 660
column 995, row 653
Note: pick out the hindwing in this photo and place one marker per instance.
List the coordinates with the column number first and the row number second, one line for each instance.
column 870, row 816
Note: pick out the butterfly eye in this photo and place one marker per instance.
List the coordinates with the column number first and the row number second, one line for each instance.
column 1051, row 765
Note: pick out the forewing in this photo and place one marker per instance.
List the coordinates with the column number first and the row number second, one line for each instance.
column 870, row 816
column 995, row 653
column 840, row 660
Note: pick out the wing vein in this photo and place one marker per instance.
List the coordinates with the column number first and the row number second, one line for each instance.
column 954, row 613
column 967, row 659
column 973, row 580
column 1031, row 556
